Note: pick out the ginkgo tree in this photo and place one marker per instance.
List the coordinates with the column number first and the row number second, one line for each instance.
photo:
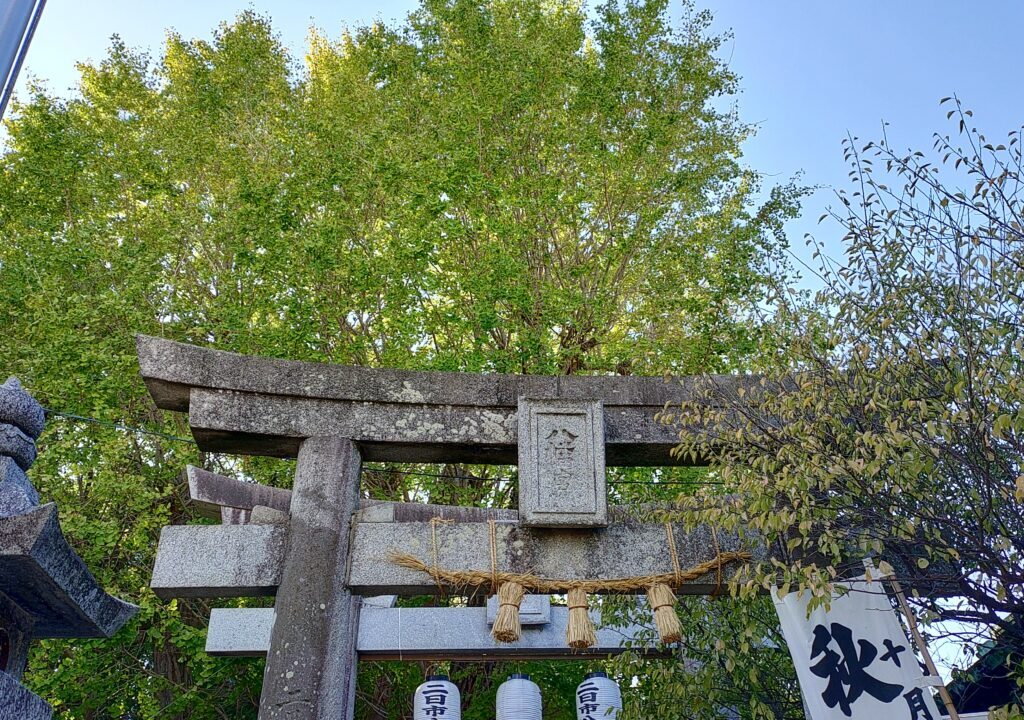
column 485, row 186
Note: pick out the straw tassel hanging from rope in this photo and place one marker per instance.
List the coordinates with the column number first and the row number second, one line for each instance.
column 579, row 633
column 506, row 624
column 663, row 601
column 507, row 628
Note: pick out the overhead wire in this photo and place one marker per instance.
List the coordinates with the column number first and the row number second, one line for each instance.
column 420, row 473
column 117, row 426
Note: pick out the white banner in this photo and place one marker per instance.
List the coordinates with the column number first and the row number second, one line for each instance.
column 854, row 661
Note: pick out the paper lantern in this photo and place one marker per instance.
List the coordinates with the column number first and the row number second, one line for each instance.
column 438, row 697
column 598, row 698
column 519, row 699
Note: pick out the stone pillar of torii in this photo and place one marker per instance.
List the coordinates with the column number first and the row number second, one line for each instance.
column 322, row 551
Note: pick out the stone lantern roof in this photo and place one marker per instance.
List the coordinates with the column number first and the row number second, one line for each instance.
column 46, row 590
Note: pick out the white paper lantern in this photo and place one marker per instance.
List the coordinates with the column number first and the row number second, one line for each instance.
column 519, row 699
column 437, row 698
column 598, row 698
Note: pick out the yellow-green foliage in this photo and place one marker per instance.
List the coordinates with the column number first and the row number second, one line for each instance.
column 894, row 424
column 497, row 186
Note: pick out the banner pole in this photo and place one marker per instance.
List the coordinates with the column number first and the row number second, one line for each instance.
column 947, row 699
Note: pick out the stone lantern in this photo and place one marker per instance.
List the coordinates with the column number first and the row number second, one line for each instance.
column 46, row 591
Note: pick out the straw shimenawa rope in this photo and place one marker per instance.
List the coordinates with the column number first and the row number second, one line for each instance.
column 513, row 586
column 434, row 521
column 492, row 537
column 469, row 579
column 718, row 554
column 579, row 633
column 670, row 540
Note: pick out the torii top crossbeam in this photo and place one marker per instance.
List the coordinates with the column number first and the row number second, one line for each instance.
column 264, row 406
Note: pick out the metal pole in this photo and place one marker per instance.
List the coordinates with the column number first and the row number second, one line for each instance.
column 17, row 26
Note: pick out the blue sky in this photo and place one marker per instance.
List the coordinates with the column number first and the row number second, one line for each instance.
column 811, row 71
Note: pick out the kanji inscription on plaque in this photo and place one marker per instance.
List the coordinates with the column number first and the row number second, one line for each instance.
column 561, row 463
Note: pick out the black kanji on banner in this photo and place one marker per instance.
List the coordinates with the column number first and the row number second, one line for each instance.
column 846, row 670
column 918, row 707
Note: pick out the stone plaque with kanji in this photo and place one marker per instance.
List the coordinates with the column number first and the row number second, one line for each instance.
column 561, row 463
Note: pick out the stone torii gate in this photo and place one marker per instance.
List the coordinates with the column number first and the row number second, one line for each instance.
column 318, row 549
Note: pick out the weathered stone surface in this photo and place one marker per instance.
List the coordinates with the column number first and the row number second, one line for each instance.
column 377, row 511
column 45, row 588
column 263, row 406
column 212, row 493
column 17, row 445
column 224, row 421
column 245, row 632
column 430, row 634
column 561, row 463
column 17, row 702
column 170, row 369
column 533, row 610
column 17, row 495
column 42, row 574
column 234, row 516
column 311, row 666
column 239, row 632
column 463, row 634
column 234, row 560
column 209, row 492
column 232, row 501
column 15, row 634
column 19, row 408
column 219, row 560
column 263, row 515
column 623, row 549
